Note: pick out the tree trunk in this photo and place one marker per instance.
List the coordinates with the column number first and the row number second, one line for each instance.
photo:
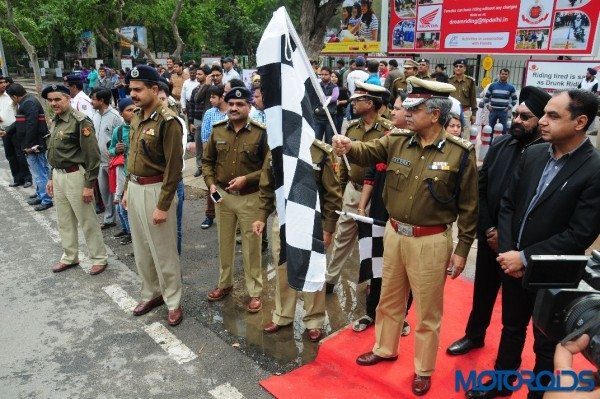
column 180, row 44
column 313, row 24
column 139, row 45
column 31, row 51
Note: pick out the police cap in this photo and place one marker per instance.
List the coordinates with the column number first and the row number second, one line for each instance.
column 54, row 88
column 420, row 90
column 238, row 93
column 460, row 61
column 145, row 73
column 410, row 64
column 368, row 90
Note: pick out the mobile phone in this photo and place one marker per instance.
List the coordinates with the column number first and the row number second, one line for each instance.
column 216, row 197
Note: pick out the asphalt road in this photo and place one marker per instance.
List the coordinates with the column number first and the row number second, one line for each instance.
column 72, row 335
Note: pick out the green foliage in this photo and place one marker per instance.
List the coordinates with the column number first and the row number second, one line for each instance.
column 212, row 27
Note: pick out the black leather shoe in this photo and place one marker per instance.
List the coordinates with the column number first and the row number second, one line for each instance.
column 34, row 201
column 42, row 207
column 27, row 184
column 463, row 345
column 32, row 196
column 494, row 393
column 15, row 184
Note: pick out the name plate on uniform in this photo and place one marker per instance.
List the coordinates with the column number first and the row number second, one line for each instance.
column 401, row 161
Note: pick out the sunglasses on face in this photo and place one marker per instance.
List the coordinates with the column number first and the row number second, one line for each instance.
column 523, row 116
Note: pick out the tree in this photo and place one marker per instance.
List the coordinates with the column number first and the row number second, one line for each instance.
column 315, row 15
column 31, row 50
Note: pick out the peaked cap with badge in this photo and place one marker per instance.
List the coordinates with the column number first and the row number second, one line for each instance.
column 420, row 90
column 410, row 64
column 368, row 90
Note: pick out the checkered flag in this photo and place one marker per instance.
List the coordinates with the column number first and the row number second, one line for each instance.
column 288, row 82
column 370, row 250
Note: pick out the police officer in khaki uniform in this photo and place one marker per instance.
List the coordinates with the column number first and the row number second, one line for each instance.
column 231, row 166
column 154, row 166
column 330, row 194
column 431, row 179
column 466, row 94
column 74, row 159
column 423, row 69
column 366, row 101
column 410, row 69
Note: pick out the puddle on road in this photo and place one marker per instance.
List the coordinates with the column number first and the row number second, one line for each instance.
column 290, row 347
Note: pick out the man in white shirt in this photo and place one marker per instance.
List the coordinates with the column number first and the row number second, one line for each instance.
column 228, row 71
column 79, row 100
column 106, row 119
column 358, row 74
column 15, row 157
column 188, row 86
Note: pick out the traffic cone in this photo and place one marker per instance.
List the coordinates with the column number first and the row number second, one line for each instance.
column 473, row 133
column 486, row 138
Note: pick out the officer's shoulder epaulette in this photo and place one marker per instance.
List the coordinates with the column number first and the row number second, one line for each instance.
column 323, row 146
column 353, row 122
column 167, row 113
column 386, row 123
column 397, row 79
column 470, row 77
column 466, row 144
column 221, row 122
column 79, row 116
column 401, row 132
column 259, row 124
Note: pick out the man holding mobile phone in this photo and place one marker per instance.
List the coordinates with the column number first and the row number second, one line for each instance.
column 232, row 162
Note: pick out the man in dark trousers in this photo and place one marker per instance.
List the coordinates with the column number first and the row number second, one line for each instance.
column 494, row 177
column 31, row 129
column 552, row 206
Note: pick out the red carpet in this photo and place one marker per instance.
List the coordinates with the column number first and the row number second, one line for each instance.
column 334, row 373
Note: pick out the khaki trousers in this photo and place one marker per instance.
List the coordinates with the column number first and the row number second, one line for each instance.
column 346, row 234
column 154, row 245
column 417, row 263
column 70, row 209
column 466, row 131
column 286, row 297
column 231, row 210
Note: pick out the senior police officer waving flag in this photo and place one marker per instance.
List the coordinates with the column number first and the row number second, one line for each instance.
column 154, row 165
column 432, row 179
column 74, row 159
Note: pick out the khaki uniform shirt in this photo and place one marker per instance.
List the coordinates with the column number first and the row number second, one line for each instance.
column 231, row 154
column 356, row 132
column 407, row 196
column 328, row 183
column 398, row 85
column 466, row 92
column 72, row 141
column 424, row 77
column 155, row 149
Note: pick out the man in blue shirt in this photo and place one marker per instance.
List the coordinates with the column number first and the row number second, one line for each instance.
column 217, row 113
column 500, row 98
column 373, row 69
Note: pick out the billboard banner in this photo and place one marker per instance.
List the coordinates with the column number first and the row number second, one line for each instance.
column 355, row 28
column 87, row 45
column 552, row 75
column 561, row 27
column 137, row 34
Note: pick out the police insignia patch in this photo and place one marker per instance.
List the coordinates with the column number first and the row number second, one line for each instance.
column 54, row 87
column 238, row 93
column 135, row 73
column 86, row 131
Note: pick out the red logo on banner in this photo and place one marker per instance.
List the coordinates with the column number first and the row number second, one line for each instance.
column 535, row 15
column 428, row 18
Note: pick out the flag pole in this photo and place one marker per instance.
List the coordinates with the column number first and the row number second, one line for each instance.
column 361, row 218
column 313, row 78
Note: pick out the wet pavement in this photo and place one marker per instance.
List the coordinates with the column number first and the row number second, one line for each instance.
column 283, row 351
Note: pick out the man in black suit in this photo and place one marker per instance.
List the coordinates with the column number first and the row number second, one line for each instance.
column 30, row 129
column 552, row 206
column 494, row 177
